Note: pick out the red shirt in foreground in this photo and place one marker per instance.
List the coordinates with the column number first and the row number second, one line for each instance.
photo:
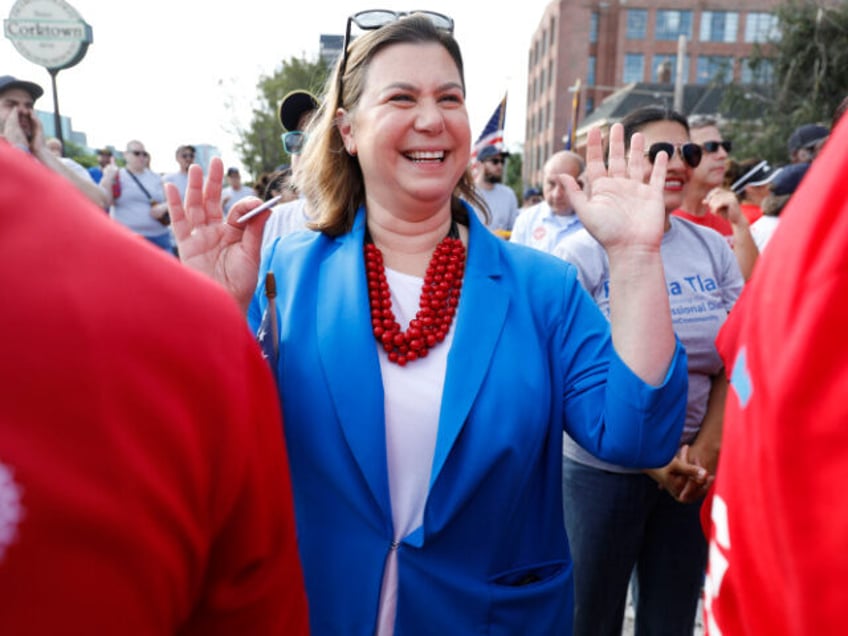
column 143, row 478
column 779, row 534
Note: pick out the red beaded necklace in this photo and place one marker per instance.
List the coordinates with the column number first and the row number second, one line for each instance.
column 437, row 307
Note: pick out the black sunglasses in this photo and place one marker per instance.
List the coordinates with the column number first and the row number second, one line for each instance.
column 376, row 18
column 713, row 146
column 138, row 153
column 689, row 152
column 293, row 141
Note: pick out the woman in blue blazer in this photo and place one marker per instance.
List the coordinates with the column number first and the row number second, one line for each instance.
column 426, row 368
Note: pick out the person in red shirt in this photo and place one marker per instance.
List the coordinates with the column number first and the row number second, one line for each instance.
column 779, row 523
column 144, row 483
column 723, row 214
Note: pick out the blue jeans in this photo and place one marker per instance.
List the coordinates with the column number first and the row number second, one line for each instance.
column 616, row 522
column 162, row 240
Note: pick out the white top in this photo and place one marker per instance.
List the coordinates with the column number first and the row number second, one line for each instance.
column 762, row 230
column 539, row 227
column 413, row 400
column 230, row 196
column 179, row 179
column 286, row 218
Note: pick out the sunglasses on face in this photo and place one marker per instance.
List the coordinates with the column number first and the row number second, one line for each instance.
column 186, row 155
column 689, row 152
column 713, row 146
column 293, row 141
column 138, row 153
column 377, row 18
column 495, row 162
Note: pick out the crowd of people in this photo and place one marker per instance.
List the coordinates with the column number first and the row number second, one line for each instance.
column 486, row 418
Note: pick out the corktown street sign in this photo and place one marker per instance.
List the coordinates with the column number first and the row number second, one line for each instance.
column 49, row 33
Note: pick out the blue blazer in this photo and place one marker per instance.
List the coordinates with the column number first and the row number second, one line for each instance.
column 531, row 356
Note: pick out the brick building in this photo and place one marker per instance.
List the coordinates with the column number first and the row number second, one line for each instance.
column 609, row 44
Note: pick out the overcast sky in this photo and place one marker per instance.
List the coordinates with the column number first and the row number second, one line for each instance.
column 177, row 71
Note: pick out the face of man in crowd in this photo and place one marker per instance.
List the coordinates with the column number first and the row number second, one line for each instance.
column 185, row 157
column 493, row 169
column 710, row 172
column 104, row 159
column 17, row 97
column 234, row 180
column 554, row 191
column 136, row 156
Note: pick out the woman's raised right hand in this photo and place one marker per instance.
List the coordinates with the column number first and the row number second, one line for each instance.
column 226, row 251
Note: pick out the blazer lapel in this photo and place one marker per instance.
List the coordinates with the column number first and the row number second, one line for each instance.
column 349, row 358
column 480, row 322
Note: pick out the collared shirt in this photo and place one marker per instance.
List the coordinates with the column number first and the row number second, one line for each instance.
column 541, row 228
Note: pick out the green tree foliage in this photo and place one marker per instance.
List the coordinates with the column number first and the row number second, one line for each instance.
column 810, row 79
column 260, row 148
column 512, row 176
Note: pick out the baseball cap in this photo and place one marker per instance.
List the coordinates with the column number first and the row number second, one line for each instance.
column 232, row 171
column 293, row 107
column 761, row 174
column 104, row 151
column 7, row 82
column 805, row 136
column 488, row 152
column 789, row 178
column 532, row 192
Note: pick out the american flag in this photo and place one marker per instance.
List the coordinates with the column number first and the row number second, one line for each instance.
column 268, row 335
column 493, row 133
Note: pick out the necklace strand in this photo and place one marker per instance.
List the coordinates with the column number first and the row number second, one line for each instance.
column 437, row 305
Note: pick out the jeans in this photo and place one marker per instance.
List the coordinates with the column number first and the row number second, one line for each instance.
column 162, row 240
column 616, row 522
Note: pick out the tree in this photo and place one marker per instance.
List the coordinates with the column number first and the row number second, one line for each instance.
column 512, row 178
column 809, row 59
column 260, row 148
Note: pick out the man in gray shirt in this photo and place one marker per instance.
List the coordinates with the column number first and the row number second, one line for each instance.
column 501, row 200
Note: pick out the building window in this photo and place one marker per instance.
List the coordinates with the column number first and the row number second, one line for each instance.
column 719, row 26
column 634, row 68
column 761, row 72
column 550, row 74
column 671, row 60
column 637, row 24
column 714, row 68
column 590, row 105
column 590, row 71
column 761, row 27
column 593, row 27
column 552, row 32
column 672, row 24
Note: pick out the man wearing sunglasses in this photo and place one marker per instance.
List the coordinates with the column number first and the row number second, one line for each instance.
column 296, row 111
column 137, row 196
column 723, row 214
column 185, row 157
column 501, row 200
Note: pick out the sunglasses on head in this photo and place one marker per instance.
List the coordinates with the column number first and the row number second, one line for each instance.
column 293, row 141
column 138, row 153
column 376, row 18
column 713, row 146
column 689, row 152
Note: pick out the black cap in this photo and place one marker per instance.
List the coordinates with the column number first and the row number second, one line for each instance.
column 7, row 82
column 488, row 152
column 294, row 106
column 789, row 178
column 805, row 136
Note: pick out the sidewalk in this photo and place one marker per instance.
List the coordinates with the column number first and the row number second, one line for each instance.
column 628, row 629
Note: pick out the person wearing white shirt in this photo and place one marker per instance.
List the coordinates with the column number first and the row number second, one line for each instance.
column 543, row 225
